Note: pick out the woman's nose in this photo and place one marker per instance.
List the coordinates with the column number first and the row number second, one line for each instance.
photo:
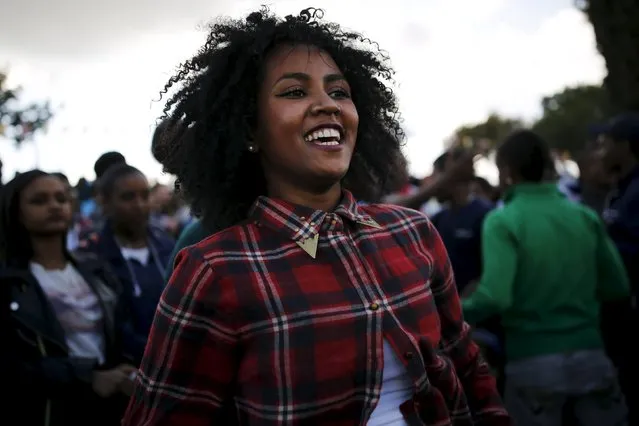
column 326, row 104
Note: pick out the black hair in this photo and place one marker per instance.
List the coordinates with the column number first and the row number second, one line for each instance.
column 62, row 177
column 15, row 243
column 106, row 161
column 483, row 184
column 527, row 155
column 625, row 128
column 110, row 178
column 216, row 107
column 162, row 136
column 440, row 162
column 439, row 165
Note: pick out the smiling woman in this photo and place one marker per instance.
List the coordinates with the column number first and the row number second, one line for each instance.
column 220, row 98
column 310, row 307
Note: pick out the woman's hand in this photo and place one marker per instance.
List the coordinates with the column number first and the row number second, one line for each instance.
column 106, row 383
column 127, row 386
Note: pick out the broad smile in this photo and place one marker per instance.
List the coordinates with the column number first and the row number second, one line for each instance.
column 328, row 135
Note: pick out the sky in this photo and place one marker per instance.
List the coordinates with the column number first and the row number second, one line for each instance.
column 103, row 63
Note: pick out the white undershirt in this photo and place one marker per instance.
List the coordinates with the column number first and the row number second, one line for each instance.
column 397, row 388
column 140, row 254
column 77, row 308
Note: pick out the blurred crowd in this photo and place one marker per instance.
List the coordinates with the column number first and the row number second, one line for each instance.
column 76, row 314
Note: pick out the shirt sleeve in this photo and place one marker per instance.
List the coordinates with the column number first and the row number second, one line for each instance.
column 190, row 362
column 494, row 293
column 479, row 385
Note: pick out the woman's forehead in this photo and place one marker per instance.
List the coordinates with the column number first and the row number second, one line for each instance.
column 132, row 179
column 299, row 58
column 44, row 183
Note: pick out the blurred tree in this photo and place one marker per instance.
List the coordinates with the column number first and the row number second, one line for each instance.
column 616, row 26
column 486, row 135
column 20, row 122
column 567, row 116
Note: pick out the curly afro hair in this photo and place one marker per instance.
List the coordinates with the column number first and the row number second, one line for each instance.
column 215, row 102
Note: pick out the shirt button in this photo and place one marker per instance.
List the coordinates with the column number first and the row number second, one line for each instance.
column 374, row 306
column 303, row 218
column 14, row 306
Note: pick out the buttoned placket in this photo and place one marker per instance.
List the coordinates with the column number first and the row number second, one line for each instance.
column 308, row 235
column 373, row 298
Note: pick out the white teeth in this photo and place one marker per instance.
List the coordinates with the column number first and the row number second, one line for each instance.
column 324, row 134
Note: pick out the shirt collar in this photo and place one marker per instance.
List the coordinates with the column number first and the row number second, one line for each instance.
column 300, row 223
column 530, row 189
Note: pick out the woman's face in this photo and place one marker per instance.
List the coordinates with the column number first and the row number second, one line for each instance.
column 45, row 207
column 128, row 204
column 307, row 121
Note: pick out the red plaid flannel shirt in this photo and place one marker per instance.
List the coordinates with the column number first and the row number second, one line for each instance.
column 250, row 319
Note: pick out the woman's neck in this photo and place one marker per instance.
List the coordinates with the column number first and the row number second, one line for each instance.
column 130, row 239
column 324, row 200
column 49, row 252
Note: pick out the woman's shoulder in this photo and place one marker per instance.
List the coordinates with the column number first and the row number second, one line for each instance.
column 389, row 214
column 222, row 241
column 14, row 275
column 92, row 266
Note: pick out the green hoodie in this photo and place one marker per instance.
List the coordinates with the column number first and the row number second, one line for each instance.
column 547, row 264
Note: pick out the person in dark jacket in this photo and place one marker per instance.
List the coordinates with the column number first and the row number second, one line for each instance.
column 60, row 359
column 137, row 252
column 619, row 149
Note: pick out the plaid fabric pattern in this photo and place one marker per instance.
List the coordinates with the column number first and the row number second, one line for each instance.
column 251, row 320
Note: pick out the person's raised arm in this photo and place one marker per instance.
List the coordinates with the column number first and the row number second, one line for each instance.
column 459, row 169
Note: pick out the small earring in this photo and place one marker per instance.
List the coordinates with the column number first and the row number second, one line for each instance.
column 252, row 148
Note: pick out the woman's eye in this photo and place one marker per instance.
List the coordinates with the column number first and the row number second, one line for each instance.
column 340, row 94
column 294, row 93
column 62, row 198
column 38, row 201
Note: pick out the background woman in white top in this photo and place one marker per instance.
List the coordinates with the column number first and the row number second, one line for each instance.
column 59, row 355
